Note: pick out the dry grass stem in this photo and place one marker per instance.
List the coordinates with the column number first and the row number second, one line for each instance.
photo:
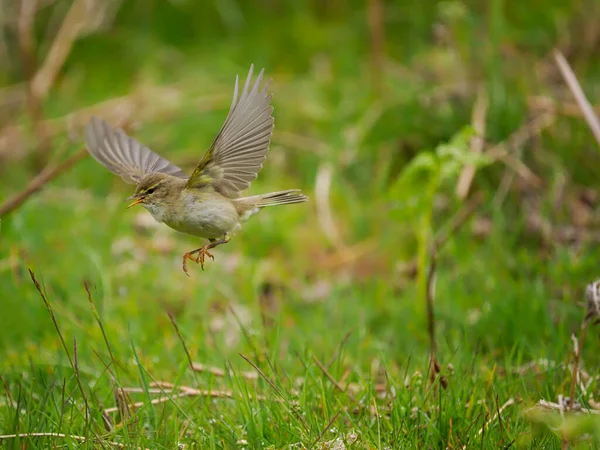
column 327, row 374
column 592, row 297
column 503, row 150
column 43, row 178
column 477, row 143
column 73, row 24
column 324, row 214
column 166, row 101
column 455, row 223
column 376, row 23
column 580, row 98
column 39, row 289
column 570, row 109
column 48, row 174
column 508, row 403
column 184, row 391
column 63, row 436
column 561, row 406
column 217, row 372
column 327, row 427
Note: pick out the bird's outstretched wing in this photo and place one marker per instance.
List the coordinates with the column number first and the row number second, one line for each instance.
column 123, row 155
column 238, row 151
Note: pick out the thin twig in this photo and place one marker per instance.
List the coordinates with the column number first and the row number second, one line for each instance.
column 431, row 301
column 457, row 221
column 185, row 349
column 9, row 398
column 575, row 87
column 217, row 372
column 75, row 362
column 565, row 108
column 43, row 178
column 167, row 385
column 190, row 392
column 339, row 349
column 74, row 22
column 509, row 402
column 99, row 322
column 477, row 143
column 545, row 404
column 498, row 413
column 442, row 237
column 296, row 414
column 29, row 60
column 501, row 151
column 124, row 406
column 65, row 436
column 62, row 340
column 576, row 359
column 377, row 33
column 327, row 427
column 262, row 374
column 324, row 214
column 166, row 101
column 347, row 372
column 327, row 374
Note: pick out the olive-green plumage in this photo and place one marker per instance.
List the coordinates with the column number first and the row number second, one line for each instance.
column 207, row 204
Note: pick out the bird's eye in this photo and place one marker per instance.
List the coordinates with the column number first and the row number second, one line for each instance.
column 151, row 190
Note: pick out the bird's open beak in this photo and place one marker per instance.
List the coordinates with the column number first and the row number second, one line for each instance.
column 136, row 202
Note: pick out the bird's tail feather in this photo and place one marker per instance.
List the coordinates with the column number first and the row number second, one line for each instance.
column 275, row 198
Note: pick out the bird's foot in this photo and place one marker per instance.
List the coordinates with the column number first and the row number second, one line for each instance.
column 200, row 255
column 203, row 253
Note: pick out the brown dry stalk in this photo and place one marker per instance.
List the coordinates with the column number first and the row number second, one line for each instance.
column 324, row 214
column 42, row 293
column 457, row 221
column 217, row 372
column 442, row 237
column 565, row 108
column 327, row 427
column 377, row 33
column 64, row 436
column 477, row 143
column 180, row 336
column 575, row 87
column 156, row 401
column 327, row 374
column 184, row 391
column 509, row 402
column 502, row 151
column 166, row 100
column 43, row 178
column 27, row 52
column 75, row 21
column 560, row 406
column 578, row 345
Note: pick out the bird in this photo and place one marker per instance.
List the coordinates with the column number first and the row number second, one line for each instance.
column 209, row 203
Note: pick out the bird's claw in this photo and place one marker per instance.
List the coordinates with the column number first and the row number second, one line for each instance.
column 201, row 254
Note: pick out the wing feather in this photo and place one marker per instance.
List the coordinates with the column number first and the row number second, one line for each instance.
column 123, row 155
column 237, row 153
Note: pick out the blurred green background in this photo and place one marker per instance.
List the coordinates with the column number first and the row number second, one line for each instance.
column 379, row 106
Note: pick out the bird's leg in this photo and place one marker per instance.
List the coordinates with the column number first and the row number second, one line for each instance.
column 202, row 252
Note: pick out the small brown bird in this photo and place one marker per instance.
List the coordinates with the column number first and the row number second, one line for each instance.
column 207, row 204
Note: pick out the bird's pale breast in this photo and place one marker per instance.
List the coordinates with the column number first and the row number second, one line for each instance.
column 204, row 217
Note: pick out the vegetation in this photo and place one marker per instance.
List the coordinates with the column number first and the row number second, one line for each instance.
column 425, row 297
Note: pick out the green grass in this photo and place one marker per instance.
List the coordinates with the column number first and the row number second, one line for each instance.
column 280, row 300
